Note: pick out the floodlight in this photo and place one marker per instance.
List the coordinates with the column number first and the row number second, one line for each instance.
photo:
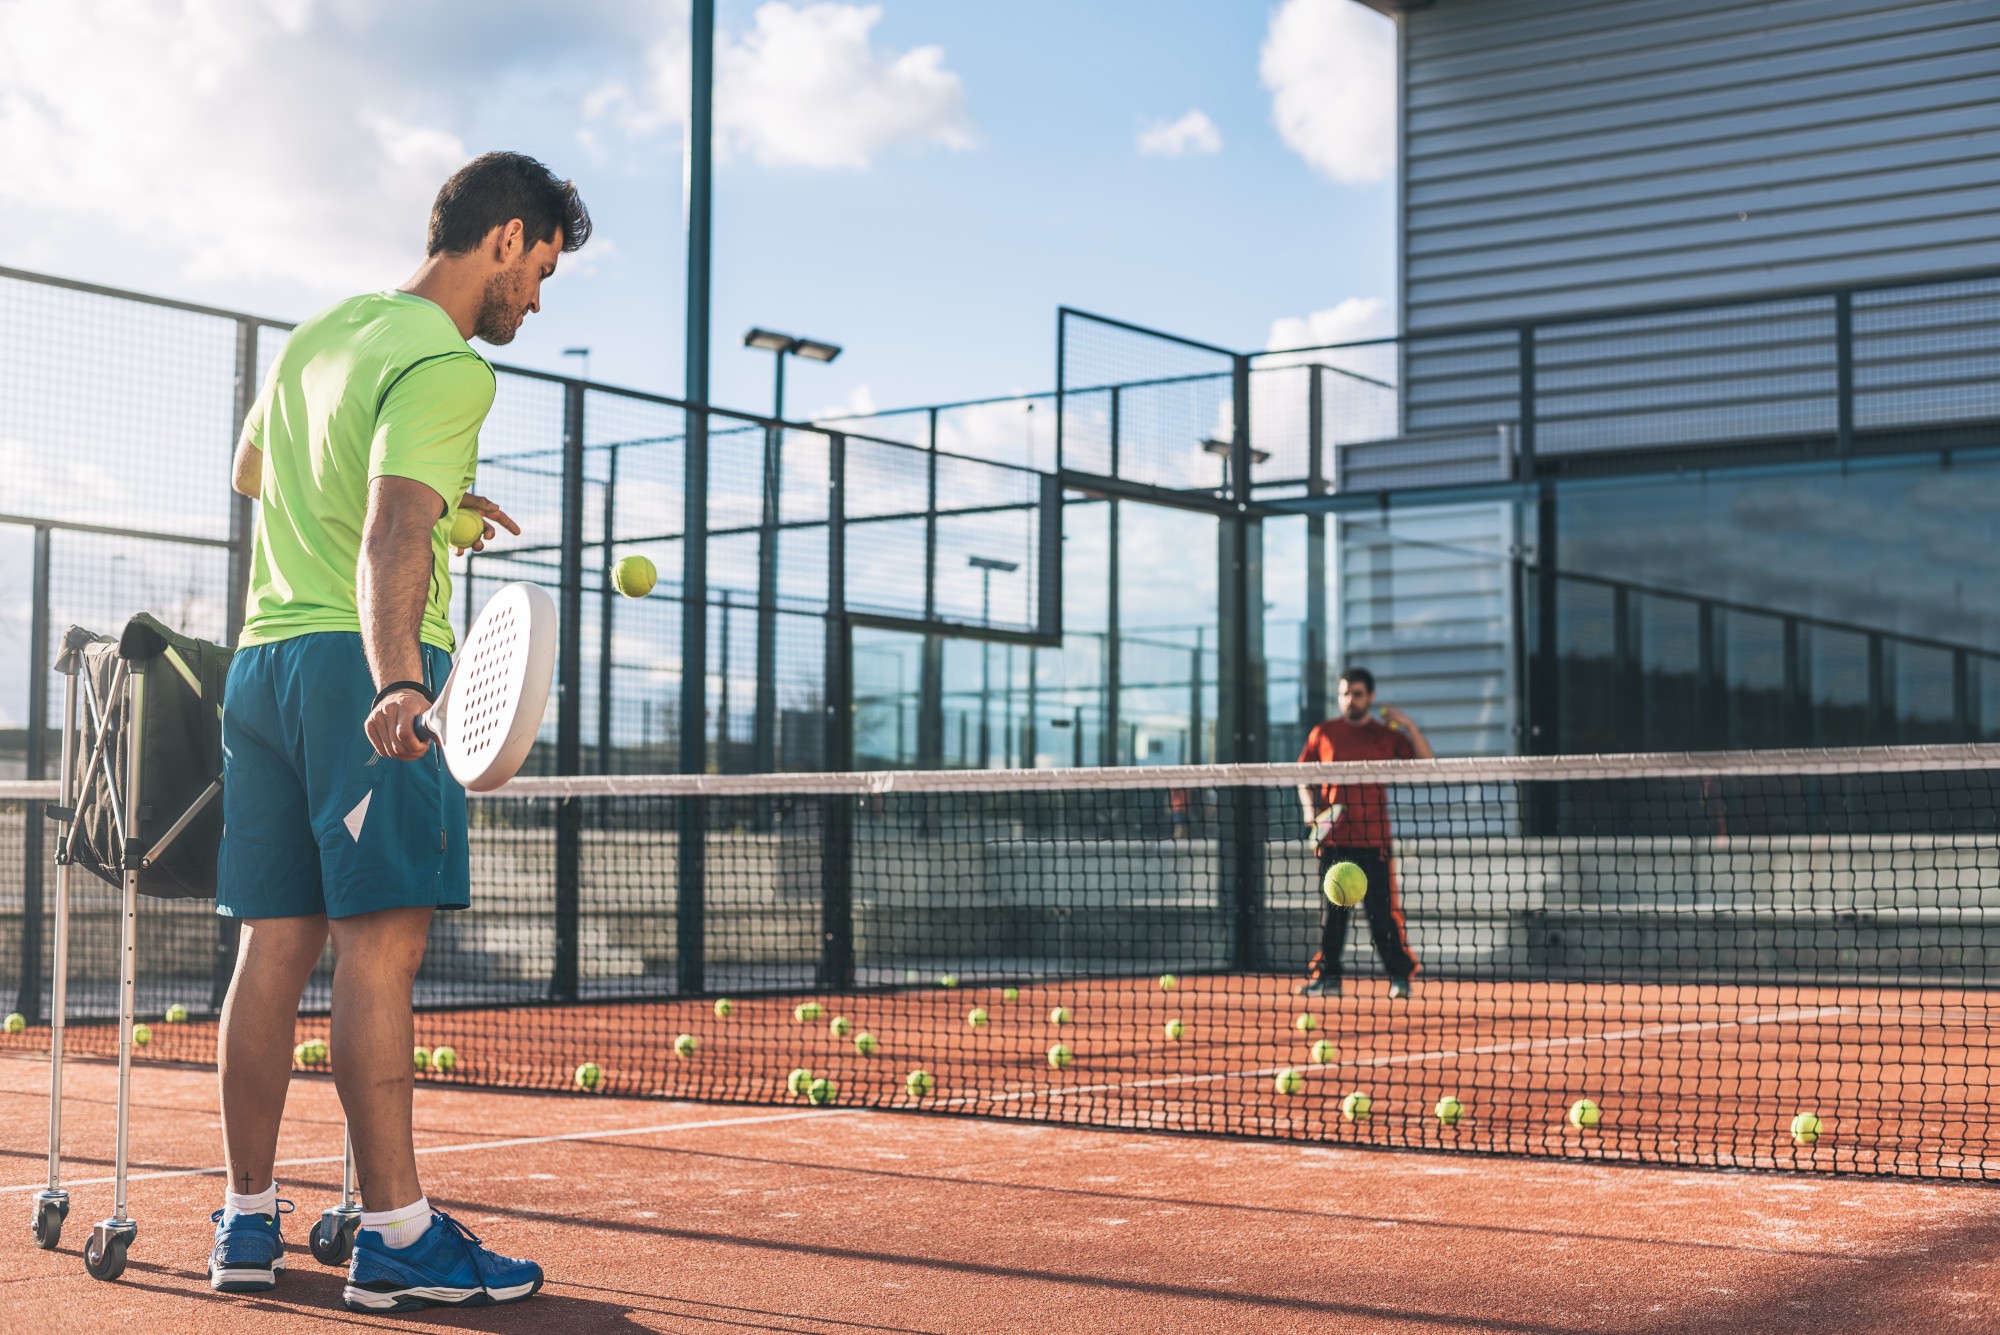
column 813, row 350
column 991, row 563
column 769, row 340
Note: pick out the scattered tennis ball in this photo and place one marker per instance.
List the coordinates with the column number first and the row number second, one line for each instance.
column 177, row 1014
column 821, row 1092
column 1345, row 884
column 949, row 980
column 141, row 1035
column 1289, row 1081
column 1356, row 1106
column 467, row 527
column 1324, row 1051
column 634, row 576
column 317, row 1052
column 1059, row 1056
column 841, row 1026
column 864, row 1043
column 797, row 1081
column 16, row 1022
column 302, row 1054
column 977, row 1019
column 686, row 1045
column 912, row 976
column 919, row 1084
column 444, row 1060
column 807, row 1011
column 722, row 1008
column 1059, row 1016
column 1305, row 1024
column 1168, row 982
column 1010, row 994
column 1584, row 1113
column 422, row 1059
column 1449, row 1110
column 1805, row 1128
column 589, row 1078
column 1174, row 1028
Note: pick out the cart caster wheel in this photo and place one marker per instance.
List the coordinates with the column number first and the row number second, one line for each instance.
column 50, row 1212
column 332, row 1236
column 104, row 1254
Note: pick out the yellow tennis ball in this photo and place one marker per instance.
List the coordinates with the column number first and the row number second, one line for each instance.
column 722, row 1008
column 797, row 1081
column 141, row 1035
column 864, row 1043
column 1805, row 1128
column 807, row 1011
column 444, row 1060
column 821, row 1092
column 1010, row 994
column 1324, row 1051
column 177, row 1014
column 1305, row 1024
column 1059, row 1056
column 977, row 1019
column 589, row 1078
column 1584, row 1113
column 634, row 576
column 16, row 1022
column 1345, row 884
column 919, row 1084
column 1289, row 1081
column 1175, row 1028
column 686, row 1045
column 1059, row 1016
column 1449, row 1110
column 1356, row 1106
column 317, row 1052
column 302, row 1054
column 841, row 1026
column 467, row 527
column 948, row 980
column 1168, row 982
column 421, row 1059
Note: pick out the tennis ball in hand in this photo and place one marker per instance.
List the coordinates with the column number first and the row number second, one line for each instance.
column 821, row 1092
column 1168, row 982
column 1059, row 1056
column 807, row 1011
column 467, row 527
column 841, row 1026
column 16, row 1022
column 1174, row 1028
column 1010, row 994
column 1449, row 1110
column 1324, row 1051
column 589, row 1078
column 948, row 980
column 1305, row 1024
column 722, row 1008
column 421, row 1059
column 1345, row 884
column 634, row 576
column 1356, row 1106
column 1805, row 1128
column 919, row 1084
column 177, row 1014
column 141, row 1035
column 1289, row 1081
column 864, row 1043
column 1584, row 1113
column 1059, row 1016
column 686, row 1045
column 444, row 1060
column 797, row 1081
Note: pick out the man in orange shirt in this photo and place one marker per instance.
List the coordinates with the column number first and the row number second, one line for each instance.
column 1350, row 823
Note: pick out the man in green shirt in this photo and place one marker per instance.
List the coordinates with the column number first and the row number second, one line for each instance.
column 340, row 822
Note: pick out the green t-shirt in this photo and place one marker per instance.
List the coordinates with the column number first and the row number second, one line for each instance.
column 376, row 386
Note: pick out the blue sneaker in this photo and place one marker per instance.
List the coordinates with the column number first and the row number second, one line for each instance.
column 249, row 1251
column 447, row 1267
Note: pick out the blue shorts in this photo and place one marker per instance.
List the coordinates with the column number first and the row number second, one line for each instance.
column 313, row 820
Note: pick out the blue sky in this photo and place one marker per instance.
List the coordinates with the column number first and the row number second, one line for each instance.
column 920, row 181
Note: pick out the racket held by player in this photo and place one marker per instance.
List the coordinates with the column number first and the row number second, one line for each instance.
column 486, row 717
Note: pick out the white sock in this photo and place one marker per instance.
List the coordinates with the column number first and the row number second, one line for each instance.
column 264, row 1202
column 401, row 1228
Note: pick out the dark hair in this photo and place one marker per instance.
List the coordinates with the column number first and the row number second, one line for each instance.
column 494, row 189
column 1360, row 676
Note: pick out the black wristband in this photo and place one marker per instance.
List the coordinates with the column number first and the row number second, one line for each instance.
column 395, row 686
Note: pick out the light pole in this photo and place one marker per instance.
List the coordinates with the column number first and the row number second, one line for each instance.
column 986, row 565
column 764, row 720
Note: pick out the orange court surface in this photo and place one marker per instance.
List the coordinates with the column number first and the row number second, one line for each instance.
column 651, row 1214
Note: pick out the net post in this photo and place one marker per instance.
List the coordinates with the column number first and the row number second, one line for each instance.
column 30, row 1000
column 836, row 959
column 569, row 703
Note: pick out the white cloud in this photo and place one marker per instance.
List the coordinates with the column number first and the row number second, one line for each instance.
column 1331, row 69
column 860, row 403
column 1192, row 133
column 1348, row 321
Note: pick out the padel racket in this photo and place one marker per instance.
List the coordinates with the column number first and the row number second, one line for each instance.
column 486, row 717
column 1322, row 826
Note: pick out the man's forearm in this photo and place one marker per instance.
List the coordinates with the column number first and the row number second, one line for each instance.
column 392, row 583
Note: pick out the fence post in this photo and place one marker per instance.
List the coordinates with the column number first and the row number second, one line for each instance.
column 30, row 1000
column 1111, row 666
column 1241, row 688
column 569, row 704
column 1312, row 664
column 836, row 959
column 691, row 815
column 242, row 532
column 764, row 712
column 1843, row 354
column 607, row 606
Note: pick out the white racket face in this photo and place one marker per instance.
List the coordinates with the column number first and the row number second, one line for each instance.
column 491, row 706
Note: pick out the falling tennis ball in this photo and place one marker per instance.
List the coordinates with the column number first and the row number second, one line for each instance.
column 919, row 1084
column 422, row 1059
column 633, row 576
column 1059, row 1016
column 797, row 1081
column 1305, row 1024
column 444, row 1060
column 1324, row 1051
column 864, row 1043
column 1168, row 982
column 686, row 1045
column 1174, row 1028
column 177, row 1014
column 841, row 1026
column 1356, row 1106
column 977, row 1019
column 807, row 1011
column 1449, row 1110
column 948, row 980
column 1289, row 1081
column 1059, row 1056
column 467, row 527
column 141, row 1035
column 1584, row 1113
column 1805, row 1128
column 1345, row 884
column 589, row 1078
column 722, row 1008
column 821, row 1092
column 1010, row 994
column 16, row 1022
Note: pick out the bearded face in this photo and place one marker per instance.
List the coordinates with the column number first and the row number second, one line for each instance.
column 509, row 296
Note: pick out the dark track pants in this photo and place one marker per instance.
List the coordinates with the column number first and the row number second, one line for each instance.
column 1385, row 916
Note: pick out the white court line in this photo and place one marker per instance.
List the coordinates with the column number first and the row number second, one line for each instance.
column 476, row 1145
column 1523, row 1045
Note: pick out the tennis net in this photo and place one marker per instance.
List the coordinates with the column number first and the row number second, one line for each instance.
column 1704, row 947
